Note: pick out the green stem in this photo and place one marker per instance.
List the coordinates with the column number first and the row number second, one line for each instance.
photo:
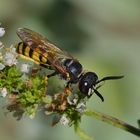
column 113, row 121
column 82, row 134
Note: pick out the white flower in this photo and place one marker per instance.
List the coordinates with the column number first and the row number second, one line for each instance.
column 2, row 66
column 4, row 92
column 72, row 99
column 81, row 107
column 25, row 68
column 2, row 31
column 13, row 50
column 64, row 120
column 10, row 57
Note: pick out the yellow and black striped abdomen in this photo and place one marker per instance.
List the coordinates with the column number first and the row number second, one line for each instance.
column 25, row 50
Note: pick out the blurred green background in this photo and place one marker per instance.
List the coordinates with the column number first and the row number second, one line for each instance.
column 105, row 36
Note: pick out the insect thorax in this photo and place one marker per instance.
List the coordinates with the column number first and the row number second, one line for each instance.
column 74, row 68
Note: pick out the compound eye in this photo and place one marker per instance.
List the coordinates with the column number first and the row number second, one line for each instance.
column 87, row 82
column 85, row 87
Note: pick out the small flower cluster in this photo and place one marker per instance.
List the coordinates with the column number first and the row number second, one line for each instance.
column 24, row 94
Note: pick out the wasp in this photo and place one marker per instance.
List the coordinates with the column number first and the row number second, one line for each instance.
column 48, row 55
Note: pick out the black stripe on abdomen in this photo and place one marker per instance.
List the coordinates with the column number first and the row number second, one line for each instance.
column 40, row 58
column 24, row 48
column 18, row 47
column 30, row 53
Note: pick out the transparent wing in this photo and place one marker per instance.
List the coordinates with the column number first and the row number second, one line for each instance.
column 45, row 48
column 40, row 44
